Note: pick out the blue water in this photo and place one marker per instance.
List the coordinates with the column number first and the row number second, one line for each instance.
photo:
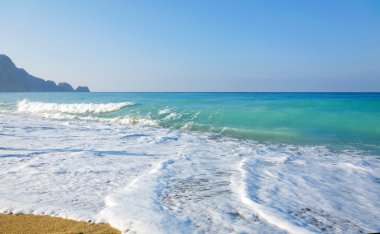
column 335, row 119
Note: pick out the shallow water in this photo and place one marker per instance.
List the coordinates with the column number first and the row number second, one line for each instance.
column 117, row 158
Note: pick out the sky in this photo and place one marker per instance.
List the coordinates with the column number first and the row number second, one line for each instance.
column 197, row 45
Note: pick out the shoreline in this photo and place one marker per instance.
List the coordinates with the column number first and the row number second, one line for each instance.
column 33, row 224
column 152, row 180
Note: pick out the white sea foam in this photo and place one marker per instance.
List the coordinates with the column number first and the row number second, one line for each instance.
column 26, row 106
column 170, row 116
column 130, row 120
column 144, row 179
column 263, row 211
column 164, row 111
column 81, row 111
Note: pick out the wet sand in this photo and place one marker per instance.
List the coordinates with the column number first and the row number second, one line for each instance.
column 37, row 224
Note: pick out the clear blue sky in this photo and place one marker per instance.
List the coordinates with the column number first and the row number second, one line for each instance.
column 321, row 45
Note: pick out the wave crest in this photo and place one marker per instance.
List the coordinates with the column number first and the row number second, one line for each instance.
column 26, row 106
column 82, row 111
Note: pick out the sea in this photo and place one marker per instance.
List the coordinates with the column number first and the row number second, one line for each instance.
column 194, row 162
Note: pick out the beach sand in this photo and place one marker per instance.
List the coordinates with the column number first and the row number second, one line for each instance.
column 33, row 224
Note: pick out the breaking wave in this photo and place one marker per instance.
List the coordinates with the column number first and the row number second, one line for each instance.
column 26, row 106
column 82, row 111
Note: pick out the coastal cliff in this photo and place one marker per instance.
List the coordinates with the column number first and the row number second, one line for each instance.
column 13, row 79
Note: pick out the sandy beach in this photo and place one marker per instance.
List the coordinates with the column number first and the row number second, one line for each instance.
column 36, row 224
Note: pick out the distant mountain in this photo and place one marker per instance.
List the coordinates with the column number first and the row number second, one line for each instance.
column 13, row 79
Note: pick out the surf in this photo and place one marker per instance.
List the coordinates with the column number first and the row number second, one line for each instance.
column 26, row 106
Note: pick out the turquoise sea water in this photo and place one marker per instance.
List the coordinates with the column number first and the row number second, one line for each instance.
column 195, row 162
column 334, row 119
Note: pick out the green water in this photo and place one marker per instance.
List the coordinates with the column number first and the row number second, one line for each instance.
column 340, row 119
